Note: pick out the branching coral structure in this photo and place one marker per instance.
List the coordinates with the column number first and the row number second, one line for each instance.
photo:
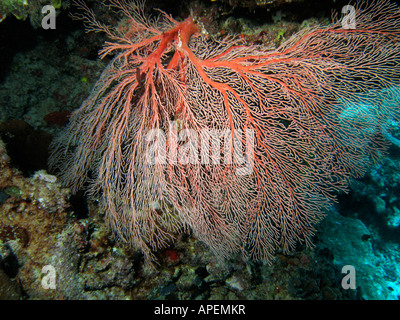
column 243, row 145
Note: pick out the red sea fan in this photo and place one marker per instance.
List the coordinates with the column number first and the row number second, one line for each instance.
column 244, row 145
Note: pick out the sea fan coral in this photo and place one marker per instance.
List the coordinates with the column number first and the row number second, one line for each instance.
column 244, row 145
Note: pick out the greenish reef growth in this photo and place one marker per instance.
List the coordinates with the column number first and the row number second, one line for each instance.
column 22, row 9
